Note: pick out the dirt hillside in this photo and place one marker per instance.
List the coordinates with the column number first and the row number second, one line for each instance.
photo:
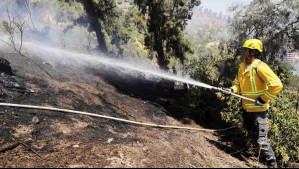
column 36, row 138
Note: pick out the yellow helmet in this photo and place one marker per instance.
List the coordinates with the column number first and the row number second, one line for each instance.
column 254, row 44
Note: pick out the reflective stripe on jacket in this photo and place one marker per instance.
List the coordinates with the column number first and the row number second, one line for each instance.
column 257, row 81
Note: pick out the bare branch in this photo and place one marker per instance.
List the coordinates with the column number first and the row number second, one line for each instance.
column 11, row 27
column 15, row 145
column 27, row 5
column 31, row 149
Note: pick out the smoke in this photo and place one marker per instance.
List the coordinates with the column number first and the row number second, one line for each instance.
column 131, row 67
column 50, row 22
column 209, row 22
column 53, row 29
column 53, row 36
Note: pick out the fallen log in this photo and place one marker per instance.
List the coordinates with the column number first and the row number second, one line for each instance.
column 10, row 147
column 15, row 145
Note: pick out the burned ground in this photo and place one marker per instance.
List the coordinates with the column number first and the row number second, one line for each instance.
column 68, row 140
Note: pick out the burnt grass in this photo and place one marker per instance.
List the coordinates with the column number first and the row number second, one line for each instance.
column 14, row 117
column 162, row 97
column 165, row 100
column 118, row 94
column 49, row 95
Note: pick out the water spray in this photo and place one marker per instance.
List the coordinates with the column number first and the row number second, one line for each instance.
column 89, row 59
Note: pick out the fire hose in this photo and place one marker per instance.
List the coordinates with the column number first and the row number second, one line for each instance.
column 106, row 117
column 219, row 89
column 124, row 120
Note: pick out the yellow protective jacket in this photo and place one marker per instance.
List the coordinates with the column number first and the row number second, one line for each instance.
column 257, row 81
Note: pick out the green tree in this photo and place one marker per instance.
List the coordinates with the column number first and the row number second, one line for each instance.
column 275, row 23
column 166, row 23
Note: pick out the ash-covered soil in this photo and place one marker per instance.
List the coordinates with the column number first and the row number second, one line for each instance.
column 54, row 139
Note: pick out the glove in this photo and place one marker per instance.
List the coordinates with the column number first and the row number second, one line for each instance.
column 259, row 102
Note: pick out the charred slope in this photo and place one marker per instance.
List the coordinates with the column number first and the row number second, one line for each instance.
column 54, row 139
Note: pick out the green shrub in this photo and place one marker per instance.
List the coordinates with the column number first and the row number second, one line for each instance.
column 284, row 127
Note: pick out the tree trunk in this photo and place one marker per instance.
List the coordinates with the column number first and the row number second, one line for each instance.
column 159, row 48
column 158, row 39
column 95, row 25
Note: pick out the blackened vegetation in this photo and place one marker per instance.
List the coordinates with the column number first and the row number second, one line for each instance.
column 164, row 100
column 12, row 83
column 119, row 95
column 165, row 97
column 96, row 130
column 9, row 80
column 13, row 90
column 5, row 66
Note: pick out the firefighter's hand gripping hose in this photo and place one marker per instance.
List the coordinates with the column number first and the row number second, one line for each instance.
column 106, row 117
column 227, row 92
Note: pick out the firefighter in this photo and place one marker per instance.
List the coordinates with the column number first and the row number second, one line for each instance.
column 257, row 81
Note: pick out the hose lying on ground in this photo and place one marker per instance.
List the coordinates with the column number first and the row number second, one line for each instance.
column 106, row 117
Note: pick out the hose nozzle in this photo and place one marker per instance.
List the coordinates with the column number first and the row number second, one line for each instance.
column 229, row 92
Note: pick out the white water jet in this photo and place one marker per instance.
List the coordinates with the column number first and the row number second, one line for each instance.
column 75, row 58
